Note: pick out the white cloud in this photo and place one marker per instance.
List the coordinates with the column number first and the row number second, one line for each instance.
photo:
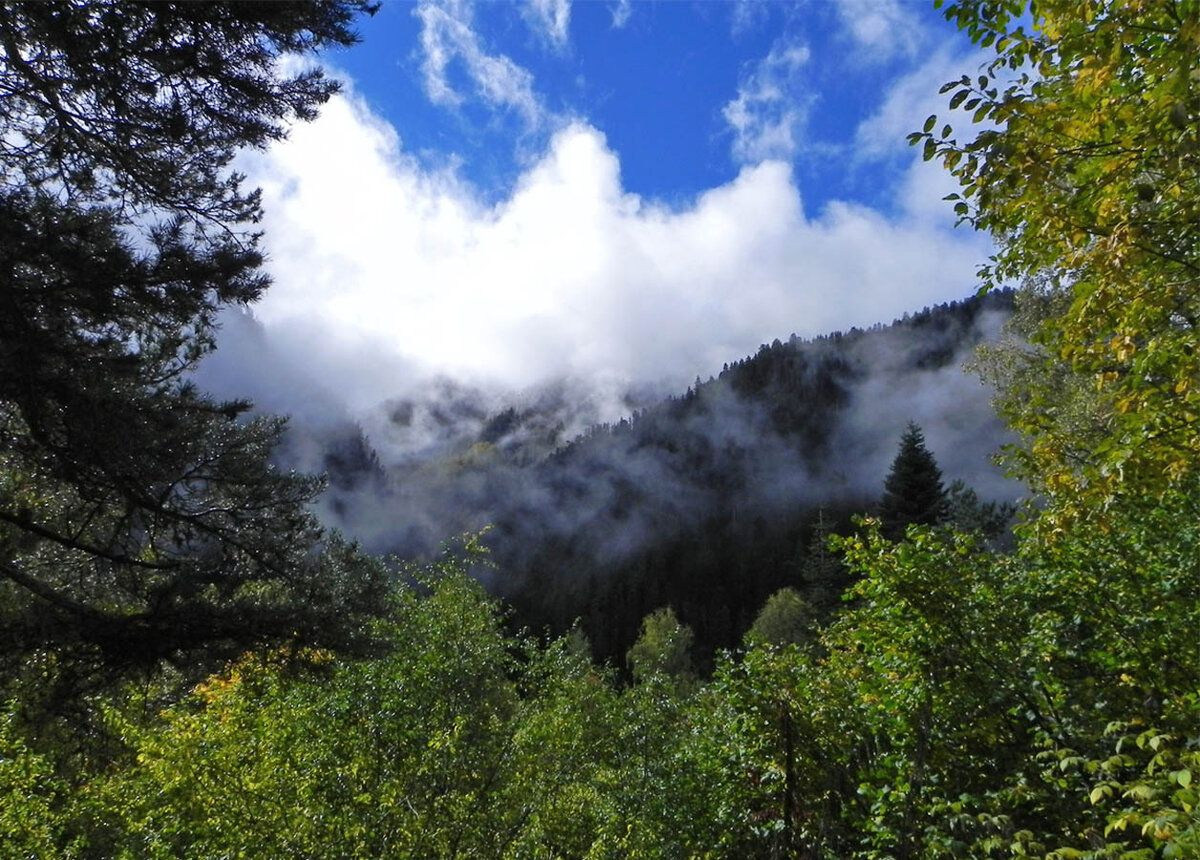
column 908, row 101
column 621, row 13
column 446, row 36
column 913, row 97
column 882, row 29
column 386, row 274
column 747, row 15
column 552, row 18
column 770, row 109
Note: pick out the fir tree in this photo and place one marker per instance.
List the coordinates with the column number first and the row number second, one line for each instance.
column 913, row 492
column 140, row 520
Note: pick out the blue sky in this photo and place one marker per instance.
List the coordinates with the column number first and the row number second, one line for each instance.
column 684, row 92
column 612, row 194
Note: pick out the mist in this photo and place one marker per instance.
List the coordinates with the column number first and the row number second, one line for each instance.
column 449, row 459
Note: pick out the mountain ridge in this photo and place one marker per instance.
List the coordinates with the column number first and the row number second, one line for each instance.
column 704, row 501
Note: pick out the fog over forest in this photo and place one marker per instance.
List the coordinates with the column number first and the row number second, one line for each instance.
column 444, row 457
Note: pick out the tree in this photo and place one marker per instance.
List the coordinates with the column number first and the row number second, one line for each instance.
column 663, row 648
column 822, row 573
column 785, row 619
column 1086, row 175
column 139, row 519
column 913, row 491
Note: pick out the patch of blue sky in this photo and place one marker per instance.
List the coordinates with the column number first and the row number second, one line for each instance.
column 685, row 93
column 615, row 194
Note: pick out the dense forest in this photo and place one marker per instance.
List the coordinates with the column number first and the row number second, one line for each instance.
column 707, row 502
column 194, row 667
column 714, row 500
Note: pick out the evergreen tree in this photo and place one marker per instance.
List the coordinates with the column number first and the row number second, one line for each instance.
column 913, row 492
column 823, row 575
column 139, row 519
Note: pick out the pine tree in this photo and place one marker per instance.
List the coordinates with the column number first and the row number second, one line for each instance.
column 140, row 520
column 822, row 573
column 913, row 492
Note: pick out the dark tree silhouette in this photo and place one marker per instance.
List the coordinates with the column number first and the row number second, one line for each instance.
column 140, row 520
column 913, row 492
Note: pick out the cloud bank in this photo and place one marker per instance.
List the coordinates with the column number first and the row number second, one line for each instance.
column 387, row 274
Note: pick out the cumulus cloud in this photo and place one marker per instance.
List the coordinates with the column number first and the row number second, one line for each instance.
column 447, row 36
column 770, row 109
column 387, row 274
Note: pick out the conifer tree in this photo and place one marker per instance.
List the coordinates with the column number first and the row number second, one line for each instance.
column 140, row 520
column 913, row 492
column 823, row 574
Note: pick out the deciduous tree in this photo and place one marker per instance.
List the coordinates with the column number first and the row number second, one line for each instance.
column 1084, row 165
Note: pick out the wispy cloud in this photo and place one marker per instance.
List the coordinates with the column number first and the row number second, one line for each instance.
column 551, row 18
column 447, row 37
column 621, row 13
column 770, row 110
column 881, row 29
column 908, row 100
column 747, row 15
column 882, row 137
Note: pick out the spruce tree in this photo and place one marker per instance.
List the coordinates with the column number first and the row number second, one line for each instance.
column 913, row 492
column 140, row 520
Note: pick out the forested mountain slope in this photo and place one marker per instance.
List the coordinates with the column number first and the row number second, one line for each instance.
column 706, row 501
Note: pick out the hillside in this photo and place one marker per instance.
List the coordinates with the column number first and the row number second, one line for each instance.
column 706, row 501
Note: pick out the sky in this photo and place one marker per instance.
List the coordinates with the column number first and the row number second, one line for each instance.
column 612, row 194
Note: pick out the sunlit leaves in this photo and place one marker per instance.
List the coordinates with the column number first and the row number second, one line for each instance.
column 31, row 797
column 1086, row 163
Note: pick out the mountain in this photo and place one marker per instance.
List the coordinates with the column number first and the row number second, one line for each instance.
column 708, row 501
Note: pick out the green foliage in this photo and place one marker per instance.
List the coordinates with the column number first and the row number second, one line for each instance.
column 303, row 755
column 965, row 512
column 31, row 797
column 785, row 619
column 663, row 648
column 773, row 753
column 965, row 703
column 1085, row 171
